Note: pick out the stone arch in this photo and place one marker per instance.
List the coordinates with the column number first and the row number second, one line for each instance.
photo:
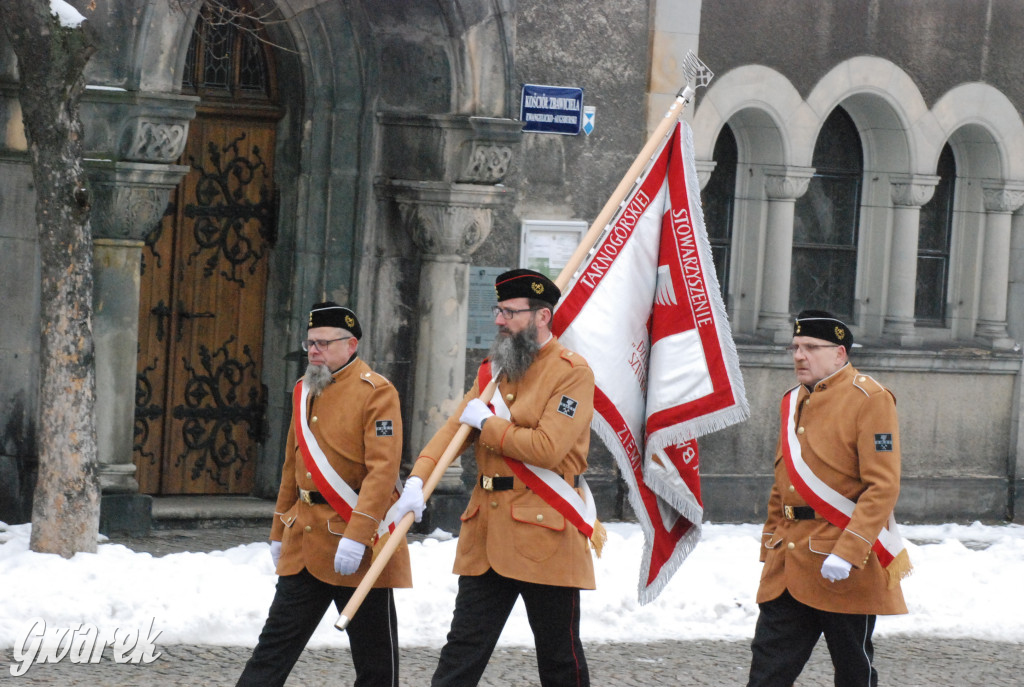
column 985, row 130
column 760, row 105
column 885, row 104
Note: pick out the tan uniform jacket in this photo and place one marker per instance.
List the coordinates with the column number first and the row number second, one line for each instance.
column 515, row 532
column 848, row 434
column 358, row 425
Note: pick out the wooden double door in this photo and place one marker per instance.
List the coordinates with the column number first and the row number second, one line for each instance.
column 200, row 403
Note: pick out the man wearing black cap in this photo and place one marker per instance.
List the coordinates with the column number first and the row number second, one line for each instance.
column 832, row 554
column 338, row 481
column 521, row 534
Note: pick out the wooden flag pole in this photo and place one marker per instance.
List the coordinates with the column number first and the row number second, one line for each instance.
column 624, row 187
column 403, row 525
column 695, row 70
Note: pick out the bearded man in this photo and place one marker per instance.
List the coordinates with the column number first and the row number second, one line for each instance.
column 521, row 532
column 340, row 471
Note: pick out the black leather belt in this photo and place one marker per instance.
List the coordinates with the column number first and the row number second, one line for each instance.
column 505, row 483
column 799, row 513
column 311, row 497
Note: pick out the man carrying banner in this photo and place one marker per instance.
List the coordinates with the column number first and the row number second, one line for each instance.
column 340, row 471
column 833, row 558
column 530, row 517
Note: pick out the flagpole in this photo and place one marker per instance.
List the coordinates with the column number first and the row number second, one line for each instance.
column 696, row 71
column 625, row 186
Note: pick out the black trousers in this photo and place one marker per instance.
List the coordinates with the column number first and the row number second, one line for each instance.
column 786, row 633
column 299, row 603
column 482, row 607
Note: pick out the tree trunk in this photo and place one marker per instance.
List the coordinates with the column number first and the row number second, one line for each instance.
column 51, row 60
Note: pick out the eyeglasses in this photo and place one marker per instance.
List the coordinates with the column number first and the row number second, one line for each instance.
column 793, row 349
column 320, row 344
column 509, row 313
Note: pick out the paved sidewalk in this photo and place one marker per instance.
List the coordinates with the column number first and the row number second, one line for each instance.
column 907, row 662
column 903, row 661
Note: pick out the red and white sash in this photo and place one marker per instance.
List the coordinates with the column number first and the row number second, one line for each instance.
column 340, row 496
column 549, row 485
column 832, row 505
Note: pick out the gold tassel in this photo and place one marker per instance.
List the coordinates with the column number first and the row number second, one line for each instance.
column 599, row 537
column 898, row 569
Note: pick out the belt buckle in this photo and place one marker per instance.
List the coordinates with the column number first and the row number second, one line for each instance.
column 789, row 512
column 305, row 497
column 487, row 482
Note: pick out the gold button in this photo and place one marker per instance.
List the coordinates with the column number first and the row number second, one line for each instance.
column 494, row 504
column 309, row 475
column 308, row 529
column 807, row 401
column 800, row 430
column 313, row 419
column 509, row 397
column 792, row 488
column 540, row 517
column 790, row 546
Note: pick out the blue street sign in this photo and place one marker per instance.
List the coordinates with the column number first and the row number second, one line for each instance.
column 552, row 109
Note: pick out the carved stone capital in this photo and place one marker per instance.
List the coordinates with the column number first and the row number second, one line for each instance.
column 787, row 183
column 128, row 198
column 138, row 127
column 912, row 190
column 445, row 220
column 1003, row 196
column 704, row 170
column 456, row 149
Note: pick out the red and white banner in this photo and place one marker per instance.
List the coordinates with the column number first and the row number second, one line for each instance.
column 646, row 312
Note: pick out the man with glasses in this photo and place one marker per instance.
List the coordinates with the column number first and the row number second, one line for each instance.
column 340, row 471
column 521, row 532
column 832, row 555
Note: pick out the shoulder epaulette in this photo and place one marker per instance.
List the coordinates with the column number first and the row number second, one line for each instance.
column 573, row 358
column 374, row 379
column 867, row 384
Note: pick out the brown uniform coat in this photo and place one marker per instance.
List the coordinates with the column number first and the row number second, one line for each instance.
column 344, row 419
column 841, row 428
column 515, row 532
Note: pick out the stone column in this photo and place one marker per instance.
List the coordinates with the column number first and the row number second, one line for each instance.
column 1002, row 199
column 447, row 222
column 132, row 141
column 444, row 174
column 782, row 185
column 909, row 193
column 128, row 201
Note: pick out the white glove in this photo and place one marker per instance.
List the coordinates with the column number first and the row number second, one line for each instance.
column 475, row 414
column 349, row 556
column 835, row 568
column 411, row 500
column 275, row 551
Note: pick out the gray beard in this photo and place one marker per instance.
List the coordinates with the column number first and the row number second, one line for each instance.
column 513, row 354
column 317, row 378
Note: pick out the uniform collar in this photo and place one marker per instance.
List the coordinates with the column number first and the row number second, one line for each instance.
column 834, row 378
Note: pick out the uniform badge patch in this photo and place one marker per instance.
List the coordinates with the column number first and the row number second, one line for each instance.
column 385, row 428
column 567, row 406
column 883, row 442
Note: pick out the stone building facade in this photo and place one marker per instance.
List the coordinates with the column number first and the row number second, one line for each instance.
column 861, row 155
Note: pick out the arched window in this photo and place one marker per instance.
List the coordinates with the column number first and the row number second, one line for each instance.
column 934, row 240
column 825, row 222
column 717, row 202
column 227, row 56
